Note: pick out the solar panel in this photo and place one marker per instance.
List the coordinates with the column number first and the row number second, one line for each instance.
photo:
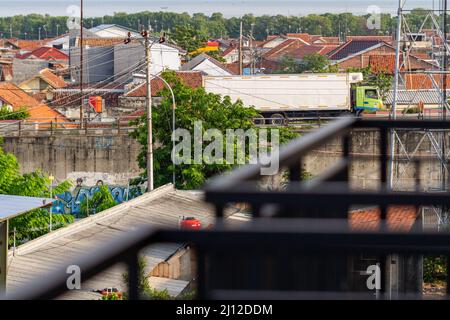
column 12, row 206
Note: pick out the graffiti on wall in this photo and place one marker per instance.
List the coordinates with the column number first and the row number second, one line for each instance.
column 70, row 202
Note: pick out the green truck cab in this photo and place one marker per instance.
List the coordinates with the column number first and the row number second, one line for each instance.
column 366, row 98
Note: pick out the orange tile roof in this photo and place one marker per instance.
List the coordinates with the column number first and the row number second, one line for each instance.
column 280, row 49
column 17, row 98
column 382, row 63
column 387, row 39
column 302, row 51
column 101, row 42
column 330, row 40
column 399, row 218
column 52, row 79
column 29, row 45
column 423, row 81
column 46, row 53
column 303, row 36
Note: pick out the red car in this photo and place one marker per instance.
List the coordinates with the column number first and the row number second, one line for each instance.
column 190, row 223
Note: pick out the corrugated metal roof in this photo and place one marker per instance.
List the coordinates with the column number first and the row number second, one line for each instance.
column 415, row 96
column 11, row 206
column 161, row 208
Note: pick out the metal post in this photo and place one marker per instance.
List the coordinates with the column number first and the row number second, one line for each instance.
column 51, row 196
column 240, row 50
column 3, row 255
column 150, row 185
column 81, row 64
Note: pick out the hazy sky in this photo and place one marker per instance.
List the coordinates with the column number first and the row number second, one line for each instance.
column 227, row 7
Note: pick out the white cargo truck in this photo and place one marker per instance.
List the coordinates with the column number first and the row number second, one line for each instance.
column 298, row 95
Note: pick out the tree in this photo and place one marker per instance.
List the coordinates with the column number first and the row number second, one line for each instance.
column 6, row 114
column 314, row 63
column 215, row 112
column 101, row 201
column 289, row 64
column 35, row 184
column 317, row 63
column 188, row 38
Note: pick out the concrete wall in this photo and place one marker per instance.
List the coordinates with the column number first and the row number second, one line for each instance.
column 112, row 158
column 97, row 62
column 25, row 69
column 365, row 169
column 108, row 158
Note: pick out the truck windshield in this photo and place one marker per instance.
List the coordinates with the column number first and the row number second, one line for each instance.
column 371, row 94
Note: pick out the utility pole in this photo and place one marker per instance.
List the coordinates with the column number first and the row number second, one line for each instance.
column 10, row 30
column 39, row 33
column 57, row 30
column 81, row 64
column 252, row 51
column 240, row 50
column 150, row 184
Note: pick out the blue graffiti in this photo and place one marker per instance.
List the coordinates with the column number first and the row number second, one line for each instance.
column 70, row 202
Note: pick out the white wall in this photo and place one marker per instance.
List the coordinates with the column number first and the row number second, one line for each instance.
column 114, row 32
column 211, row 69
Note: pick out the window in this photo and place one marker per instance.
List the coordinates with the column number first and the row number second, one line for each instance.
column 371, row 94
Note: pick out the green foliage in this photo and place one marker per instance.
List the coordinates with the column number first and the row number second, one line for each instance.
column 144, row 289
column 216, row 55
column 143, row 285
column 315, row 63
column 34, row 184
column 193, row 105
column 434, row 269
column 6, row 114
column 216, row 25
column 35, row 224
column 188, row 38
column 101, row 201
column 111, row 296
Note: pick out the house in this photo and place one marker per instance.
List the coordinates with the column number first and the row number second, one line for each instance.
column 22, row 45
column 67, row 100
column 6, row 69
column 45, row 80
column 109, row 59
column 302, row 51
column 281, row 49
column 231, row 54
column 387, row 39
column 14, row 98
column 113, row 31
column 359, row 54
column 45, row 53
column 135, row 99
column 207, row 65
